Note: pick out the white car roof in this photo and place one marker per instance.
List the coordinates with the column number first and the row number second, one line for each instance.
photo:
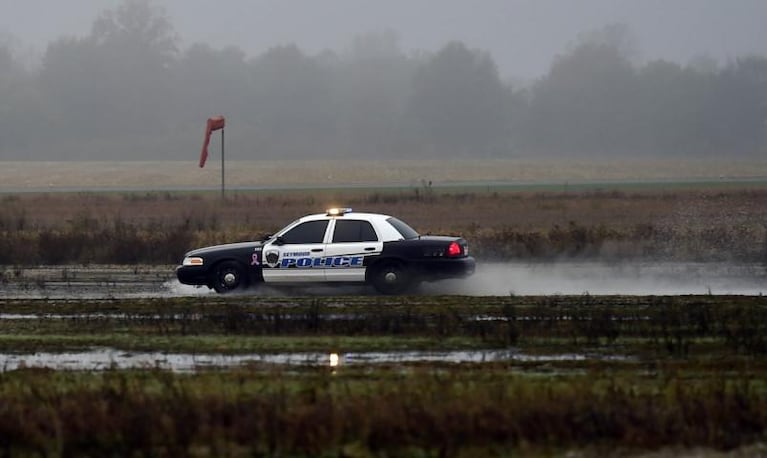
column 385, row 230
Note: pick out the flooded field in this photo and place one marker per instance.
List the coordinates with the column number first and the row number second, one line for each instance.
column 560, row 356
column 136, row 362
column 491, row 279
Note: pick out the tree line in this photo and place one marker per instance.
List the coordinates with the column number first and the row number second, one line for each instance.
column 126, row 91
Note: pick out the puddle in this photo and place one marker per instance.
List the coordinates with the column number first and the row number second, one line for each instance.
column 99, row 359
column 168, row 317
column 99, row 316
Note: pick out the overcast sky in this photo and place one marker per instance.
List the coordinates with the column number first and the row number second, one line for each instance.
column 522, row 35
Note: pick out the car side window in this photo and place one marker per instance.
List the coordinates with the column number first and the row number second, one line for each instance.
column 354, row 231
column 308, row 232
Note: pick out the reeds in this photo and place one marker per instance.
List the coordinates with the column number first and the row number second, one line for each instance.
column 455, row 412
column 83, row 228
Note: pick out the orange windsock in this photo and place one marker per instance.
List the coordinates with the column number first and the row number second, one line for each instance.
column 214, row 123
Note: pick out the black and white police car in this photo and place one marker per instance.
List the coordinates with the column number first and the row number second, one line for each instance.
column 332, row 247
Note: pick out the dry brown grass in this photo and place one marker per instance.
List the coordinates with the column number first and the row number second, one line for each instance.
column 725, row 224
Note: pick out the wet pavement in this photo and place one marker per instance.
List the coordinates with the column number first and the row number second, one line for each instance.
column 491, row 279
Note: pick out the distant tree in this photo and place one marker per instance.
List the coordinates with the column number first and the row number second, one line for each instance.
column 460, row 104
column 617, row 36
column 114, row 83
column 585, row 103
column 139, row 32
column 291, row 94
column 372, row 86
column 704, row 64
column 738, row 118
column 7, row 81
column 671, row 109
column 19, row 106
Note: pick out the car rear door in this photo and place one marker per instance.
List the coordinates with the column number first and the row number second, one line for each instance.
column 352, row 240
column 297, row 255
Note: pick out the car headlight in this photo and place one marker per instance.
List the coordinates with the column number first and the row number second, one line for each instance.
column 192, row 261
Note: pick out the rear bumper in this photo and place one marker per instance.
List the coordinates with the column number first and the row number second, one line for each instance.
column 441, row 269
column 192, row 275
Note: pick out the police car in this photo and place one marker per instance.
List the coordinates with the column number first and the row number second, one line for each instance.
column 333, row 247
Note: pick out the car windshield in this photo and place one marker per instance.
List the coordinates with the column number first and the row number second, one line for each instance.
column 406, row 231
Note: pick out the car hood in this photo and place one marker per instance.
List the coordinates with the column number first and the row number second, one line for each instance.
column 225, row 247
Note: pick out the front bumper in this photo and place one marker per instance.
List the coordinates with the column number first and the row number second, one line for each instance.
column 192, row 275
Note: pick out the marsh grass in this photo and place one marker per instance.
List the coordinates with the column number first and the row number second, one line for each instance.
column 128, row 228
column 385, row 412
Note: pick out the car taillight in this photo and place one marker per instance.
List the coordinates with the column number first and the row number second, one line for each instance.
column 454, row 249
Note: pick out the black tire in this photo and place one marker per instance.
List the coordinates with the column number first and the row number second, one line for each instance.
column 392, row 278
column 229, row 276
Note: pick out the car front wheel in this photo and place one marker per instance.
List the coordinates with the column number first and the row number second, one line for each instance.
column 228, row 276
column 392, row 278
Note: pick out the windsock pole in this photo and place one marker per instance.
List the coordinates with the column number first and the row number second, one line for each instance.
column 222, row 164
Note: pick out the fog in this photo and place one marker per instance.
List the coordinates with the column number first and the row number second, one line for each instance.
column 135, row 79
column 601, row 278
column 523, row 36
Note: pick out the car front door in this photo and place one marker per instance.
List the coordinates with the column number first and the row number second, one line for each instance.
column 296, row 255
column 351, row 242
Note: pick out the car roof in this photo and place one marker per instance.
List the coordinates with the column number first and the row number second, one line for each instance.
column 385, row 229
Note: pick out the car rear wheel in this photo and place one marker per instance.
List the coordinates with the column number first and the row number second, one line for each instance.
column 229, row 276
column 392, row 278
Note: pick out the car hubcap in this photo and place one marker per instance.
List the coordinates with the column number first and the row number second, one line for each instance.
column 230, row 279
column 390, row 277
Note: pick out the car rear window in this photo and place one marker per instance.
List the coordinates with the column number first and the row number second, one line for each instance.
column 405, row 231
column 354, row 231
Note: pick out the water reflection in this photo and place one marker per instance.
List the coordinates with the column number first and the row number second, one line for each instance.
column 110, row 358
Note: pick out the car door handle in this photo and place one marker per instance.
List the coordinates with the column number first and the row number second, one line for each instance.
column 370, row 248
column 317, row 250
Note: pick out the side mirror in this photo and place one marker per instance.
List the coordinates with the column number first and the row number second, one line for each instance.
column 279, row 241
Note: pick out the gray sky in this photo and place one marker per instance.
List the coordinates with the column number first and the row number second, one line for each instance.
column 522, row 35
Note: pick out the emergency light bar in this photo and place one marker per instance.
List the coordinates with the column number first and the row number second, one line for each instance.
column 338, row 211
